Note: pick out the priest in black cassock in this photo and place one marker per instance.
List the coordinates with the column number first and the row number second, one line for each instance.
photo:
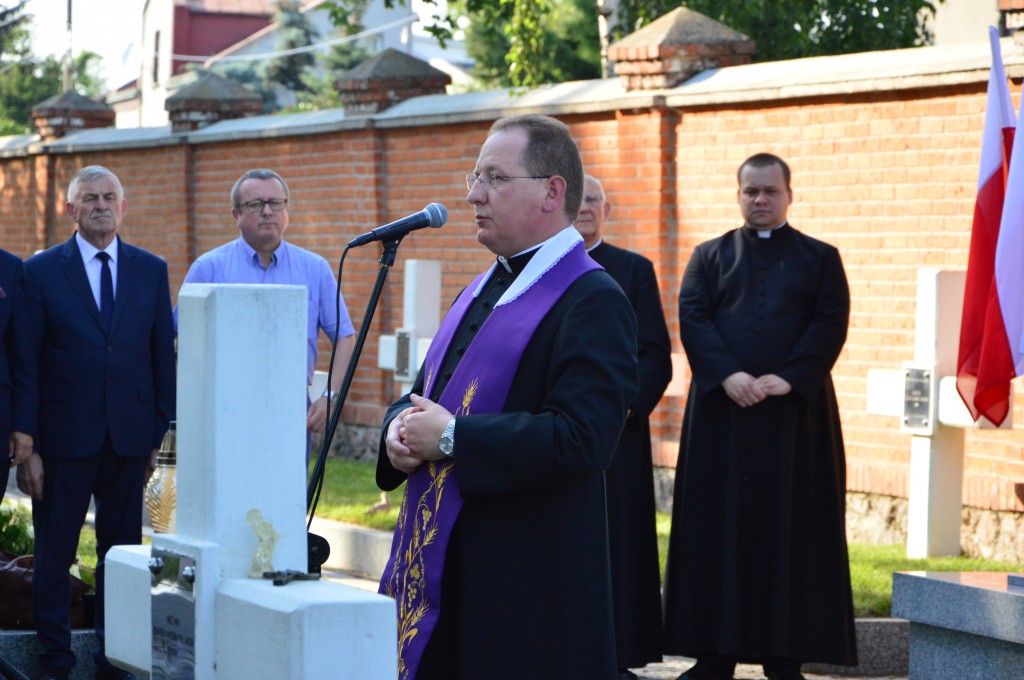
column 758, row 570
column 636, row 579
column 499, row 566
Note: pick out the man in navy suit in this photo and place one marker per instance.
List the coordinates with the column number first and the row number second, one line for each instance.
column 99, row 314
column 17, row 371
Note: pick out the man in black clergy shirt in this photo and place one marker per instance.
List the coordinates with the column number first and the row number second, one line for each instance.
column 636, row 579
column 757, row 569
column 529, row 380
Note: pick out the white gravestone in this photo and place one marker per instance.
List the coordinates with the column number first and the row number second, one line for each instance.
column 241, row 447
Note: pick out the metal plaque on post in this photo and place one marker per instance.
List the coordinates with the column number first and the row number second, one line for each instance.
column 919, row 415
column 174, row 616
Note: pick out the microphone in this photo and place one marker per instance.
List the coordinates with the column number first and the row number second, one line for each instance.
column 433, row 216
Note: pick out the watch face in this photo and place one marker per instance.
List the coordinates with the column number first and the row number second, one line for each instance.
column 446, row 445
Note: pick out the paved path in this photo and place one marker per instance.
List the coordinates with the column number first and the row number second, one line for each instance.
column 669, row 669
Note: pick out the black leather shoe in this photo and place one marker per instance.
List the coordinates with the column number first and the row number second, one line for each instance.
column 785, row 670
column 788, row 674
column 709, row 669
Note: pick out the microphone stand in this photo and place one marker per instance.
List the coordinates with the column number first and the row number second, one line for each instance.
column 318, row 548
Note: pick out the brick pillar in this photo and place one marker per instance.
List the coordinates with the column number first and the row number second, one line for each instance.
column 67, row 112
column 387, row 78
column 208, row 100
column 675, row 48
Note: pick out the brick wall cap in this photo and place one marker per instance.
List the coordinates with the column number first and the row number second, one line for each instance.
column 69, row 100
column 681, row 26
column 391, row 63
column 212, row 88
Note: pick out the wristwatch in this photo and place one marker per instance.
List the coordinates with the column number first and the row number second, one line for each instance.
column 447, row 443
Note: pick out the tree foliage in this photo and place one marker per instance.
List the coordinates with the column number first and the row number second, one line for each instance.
column 790, row 29
column 12, row 16
column 565, row 45
column 26, row 80
column 295, row 31
column 320, row 92
column 527, row 35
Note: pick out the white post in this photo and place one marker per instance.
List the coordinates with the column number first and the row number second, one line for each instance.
column 939, row 416
column 936, row 460
column 241, row 447
column 404, row 351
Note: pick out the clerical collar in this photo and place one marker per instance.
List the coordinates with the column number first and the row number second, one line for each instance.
column 766, row 233
column 517, row 263
column 533, row 263
column 599, row 242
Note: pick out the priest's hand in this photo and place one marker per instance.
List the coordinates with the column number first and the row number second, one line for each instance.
column 773, row 385
column 398, row 453
column 743, row 389
column 423, row 428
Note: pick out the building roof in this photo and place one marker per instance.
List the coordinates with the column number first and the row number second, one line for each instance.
column 228, row 6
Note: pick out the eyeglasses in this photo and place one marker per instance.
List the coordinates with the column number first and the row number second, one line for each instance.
column 256, row 206
column 495, row 181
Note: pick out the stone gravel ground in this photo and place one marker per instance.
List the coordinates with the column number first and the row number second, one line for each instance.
column 673, row 666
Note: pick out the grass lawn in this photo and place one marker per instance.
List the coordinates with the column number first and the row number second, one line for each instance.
column 349, row 492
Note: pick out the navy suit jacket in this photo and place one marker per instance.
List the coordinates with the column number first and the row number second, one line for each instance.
column 18, row 396
column 92, row 382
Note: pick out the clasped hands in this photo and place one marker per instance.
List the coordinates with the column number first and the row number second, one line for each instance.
column 415, row 433
column 746, row 390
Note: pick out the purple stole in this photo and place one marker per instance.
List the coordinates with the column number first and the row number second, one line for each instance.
column 480, row 384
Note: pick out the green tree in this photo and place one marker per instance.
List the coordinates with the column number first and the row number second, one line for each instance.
column 790, row 29
column 565, row 44
column 26, row 80
column 320, row 92
column 295, row 32
column 520, row 30
column 11, row 17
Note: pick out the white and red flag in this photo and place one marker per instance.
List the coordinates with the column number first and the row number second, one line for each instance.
column 993, row 317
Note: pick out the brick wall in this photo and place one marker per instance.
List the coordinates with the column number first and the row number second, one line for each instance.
column 887, row 176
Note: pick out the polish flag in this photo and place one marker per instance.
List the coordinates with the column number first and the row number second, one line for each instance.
column 987, row 358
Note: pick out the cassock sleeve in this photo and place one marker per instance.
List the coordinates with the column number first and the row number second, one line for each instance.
column 654, row 349
column 814, row 354
column 388, row 478
column 711, row 360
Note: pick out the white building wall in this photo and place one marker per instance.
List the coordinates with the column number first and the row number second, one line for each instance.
column 960, row 21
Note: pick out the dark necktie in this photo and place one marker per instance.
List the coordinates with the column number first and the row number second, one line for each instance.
column 106, row 291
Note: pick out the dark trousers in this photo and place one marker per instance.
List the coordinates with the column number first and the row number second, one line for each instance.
column 116, row 482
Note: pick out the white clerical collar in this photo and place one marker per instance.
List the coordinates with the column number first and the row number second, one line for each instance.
column 767, row 233
column 547, row 256
column 599, row 242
